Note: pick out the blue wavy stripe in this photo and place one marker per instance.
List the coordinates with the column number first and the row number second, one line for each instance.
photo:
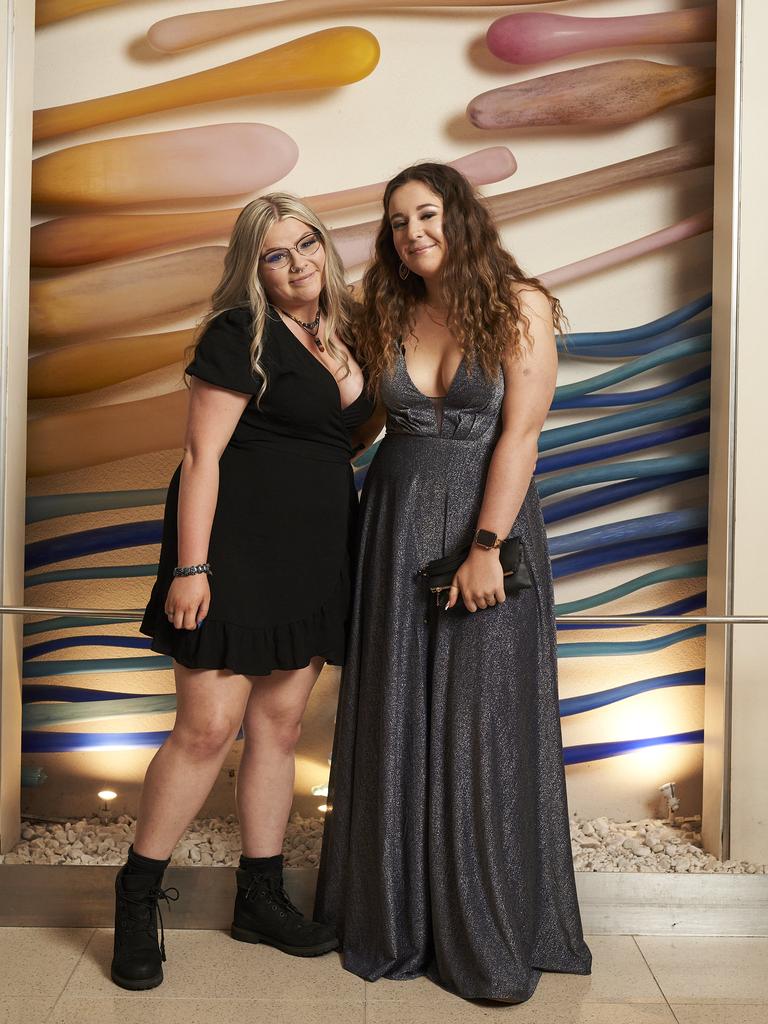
column 618, row 374
column 92, row 542
column 664, row 323
column 680, row 571
column 603, row 401
column 41, row 692
column 580, row 561
column 41, row 716
column 72, row 622
column 32, row 775
column 96, row 572
column 87, row 666
column 624, row 446
column 642, row 346
column 51, row 506
column 637, row 528
column 658, row 412
column 683, row 463
column 601, row 497
column 613, row 748
column 48, row 646
column 63, row 742
column 620, row 648
column 681, row 607
column 593, row 701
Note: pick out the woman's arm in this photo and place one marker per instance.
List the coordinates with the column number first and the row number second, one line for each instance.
column 529, row 382
column 213, row 415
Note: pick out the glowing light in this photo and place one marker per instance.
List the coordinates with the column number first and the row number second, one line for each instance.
column 320, row 790
column 323, row 808
column 106, row 794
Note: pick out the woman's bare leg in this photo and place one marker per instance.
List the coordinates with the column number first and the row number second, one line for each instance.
column 210, row 708
column 272, row 726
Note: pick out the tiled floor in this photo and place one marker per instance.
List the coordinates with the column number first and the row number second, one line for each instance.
column 60, row 976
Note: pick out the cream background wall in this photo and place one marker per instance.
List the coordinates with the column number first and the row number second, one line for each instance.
column 412, row 107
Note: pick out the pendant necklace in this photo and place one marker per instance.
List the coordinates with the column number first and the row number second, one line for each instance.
column 311, row 328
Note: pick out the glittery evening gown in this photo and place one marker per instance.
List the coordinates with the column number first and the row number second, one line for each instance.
column 447, row 849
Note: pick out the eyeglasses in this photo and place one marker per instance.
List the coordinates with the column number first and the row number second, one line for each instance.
column 276, row 259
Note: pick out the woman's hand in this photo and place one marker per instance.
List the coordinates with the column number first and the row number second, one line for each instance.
column 479, row 581
column 188, row 600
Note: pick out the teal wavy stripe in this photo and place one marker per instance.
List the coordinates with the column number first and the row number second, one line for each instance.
column 89, row 666
column 71, row 622
column 39, row 716
column 612, row 648
column 658, row 412
column 629, row 470
column 626, row 371
column 96, row 572
column 52, row 506
column 683, row 571
column 32, row 775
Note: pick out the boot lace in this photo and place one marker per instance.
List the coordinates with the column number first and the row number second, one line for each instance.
column 145, row 902
column 277, row 897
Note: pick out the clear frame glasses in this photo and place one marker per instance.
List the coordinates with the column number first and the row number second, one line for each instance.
column 307, row 245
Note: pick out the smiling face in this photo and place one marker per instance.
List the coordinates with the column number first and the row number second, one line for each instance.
column 299, row 280
column 416, row 219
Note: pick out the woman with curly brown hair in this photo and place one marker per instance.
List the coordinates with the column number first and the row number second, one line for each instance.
column 447, row 848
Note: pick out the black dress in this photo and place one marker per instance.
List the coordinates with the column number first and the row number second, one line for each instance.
column 447, row 852
column 280, row 540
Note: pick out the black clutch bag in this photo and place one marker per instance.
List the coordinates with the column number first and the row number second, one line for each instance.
column 440, row 572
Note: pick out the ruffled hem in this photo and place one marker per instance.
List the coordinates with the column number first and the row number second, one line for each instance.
column 250, row 650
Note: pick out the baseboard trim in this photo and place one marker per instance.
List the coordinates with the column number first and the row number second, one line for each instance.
column 612, row 903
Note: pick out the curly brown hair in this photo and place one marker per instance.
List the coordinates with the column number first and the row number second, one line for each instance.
column 479, row 278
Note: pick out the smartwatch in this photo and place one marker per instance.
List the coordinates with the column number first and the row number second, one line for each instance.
column 487, row 539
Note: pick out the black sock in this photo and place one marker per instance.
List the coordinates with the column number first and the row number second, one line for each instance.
column 263, row 865
column 139, row 865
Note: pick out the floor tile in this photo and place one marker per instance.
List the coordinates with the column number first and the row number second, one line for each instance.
column 140, row 1008
column 22, row 1011
column 211, row 965
column 39, row 961
column 725, row 1013
column 619, row 974
column 523, row 1013
column 705, row 969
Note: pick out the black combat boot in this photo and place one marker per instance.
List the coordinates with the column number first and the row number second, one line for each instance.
column 138, row 958
column 263, row 913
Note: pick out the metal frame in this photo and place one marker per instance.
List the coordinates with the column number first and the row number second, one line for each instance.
column 131, row 615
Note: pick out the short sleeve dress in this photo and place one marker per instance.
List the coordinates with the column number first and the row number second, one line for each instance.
column 280, row 544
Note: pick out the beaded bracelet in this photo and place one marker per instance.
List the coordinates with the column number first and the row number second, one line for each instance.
column 192, row 570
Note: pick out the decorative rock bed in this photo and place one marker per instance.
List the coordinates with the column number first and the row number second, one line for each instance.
column 599, row 844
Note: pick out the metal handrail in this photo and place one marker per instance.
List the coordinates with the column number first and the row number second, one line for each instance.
column 706, row 620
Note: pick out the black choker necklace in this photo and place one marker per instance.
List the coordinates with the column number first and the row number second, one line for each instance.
column 311, row 328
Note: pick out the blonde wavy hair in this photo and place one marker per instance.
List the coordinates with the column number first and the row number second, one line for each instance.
column 240, row 285
column 479, row 278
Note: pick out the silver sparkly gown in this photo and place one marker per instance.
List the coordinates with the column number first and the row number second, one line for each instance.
column 447, row 849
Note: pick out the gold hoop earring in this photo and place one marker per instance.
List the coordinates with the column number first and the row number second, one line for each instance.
column 403, row 271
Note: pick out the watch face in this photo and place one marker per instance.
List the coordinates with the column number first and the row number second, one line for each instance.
column 485, row 538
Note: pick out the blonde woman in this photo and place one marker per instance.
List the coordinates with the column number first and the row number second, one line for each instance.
column 254, row 576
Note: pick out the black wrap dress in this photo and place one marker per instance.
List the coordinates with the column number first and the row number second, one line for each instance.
column 280, row 541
